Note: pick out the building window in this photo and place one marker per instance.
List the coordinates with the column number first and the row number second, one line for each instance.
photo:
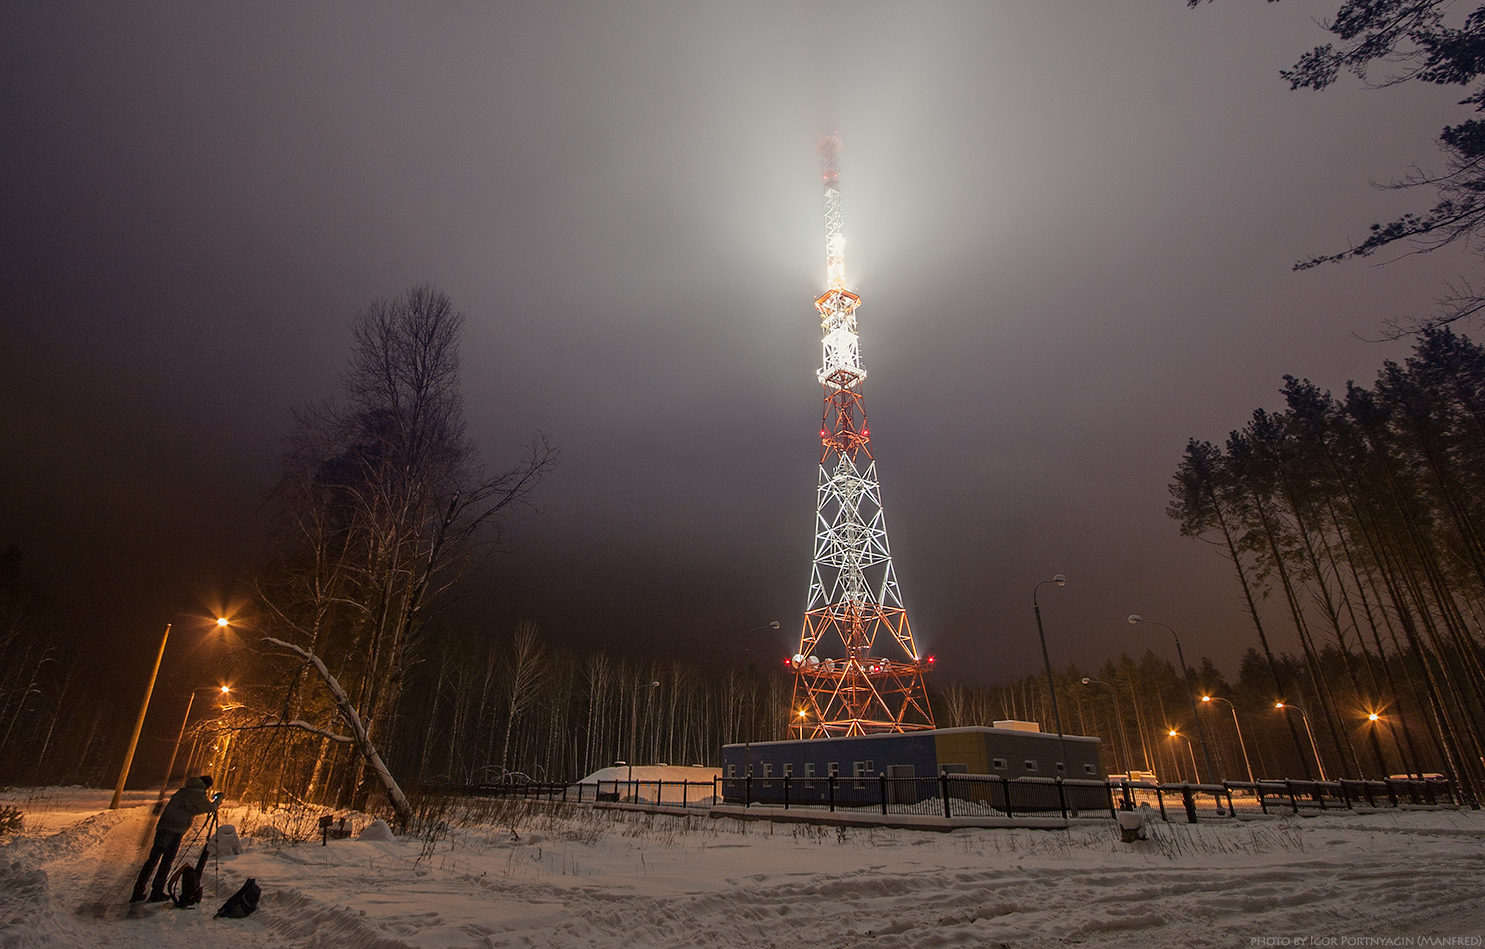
column 809, row 769
column 1030, row 764
column 768, row 769
column 1089, row 769
column 1061, row 768
column 1000, row 764
column 732, row 771
column 834, row 769
column 788, row 770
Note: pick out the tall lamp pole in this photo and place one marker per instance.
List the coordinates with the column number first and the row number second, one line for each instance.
column 1061, row 581
column 1119, row 714
column 1206, row 753
column 1241, row 744
column 1281, row 706
column 118, row 791
column 633, row 716
column 1175, row 734
column 752, row 711
column 144, row 707
column 191, row 700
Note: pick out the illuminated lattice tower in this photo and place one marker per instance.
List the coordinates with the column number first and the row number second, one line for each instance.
column 840, row 686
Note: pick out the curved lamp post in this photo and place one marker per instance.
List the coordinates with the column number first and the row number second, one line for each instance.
column 144, row 707
column 165, row 784
column 1175, row 734
column 1241, row 744
column 1061, row 581
column 633, row 717
column 1281, row 706
column 1373, row 718
column 752, row 712
column 1206, row 753
column 1119, row 714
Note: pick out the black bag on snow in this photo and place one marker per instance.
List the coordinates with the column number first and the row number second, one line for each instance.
column 187, row 890
column 185, row 886
column 241, row 903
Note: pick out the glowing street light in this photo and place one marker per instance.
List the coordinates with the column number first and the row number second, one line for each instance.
column 144, row 707
column 170, row 770
column 1281, row 706
column 1241, row 744
column 1175, row 734
column 1206, row 753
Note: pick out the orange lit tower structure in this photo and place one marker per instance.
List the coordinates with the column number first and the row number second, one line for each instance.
column 853, row 591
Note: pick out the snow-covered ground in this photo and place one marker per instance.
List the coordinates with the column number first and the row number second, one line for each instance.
column 502, row 875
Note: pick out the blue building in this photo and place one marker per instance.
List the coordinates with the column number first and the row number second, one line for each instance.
column 1009, row 750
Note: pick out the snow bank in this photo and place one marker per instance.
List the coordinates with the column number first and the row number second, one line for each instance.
column 568, row 877
column 376, row 830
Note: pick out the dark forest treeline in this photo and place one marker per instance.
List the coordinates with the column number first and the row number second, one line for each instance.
column 53, row 728
column 1361, row 520
column 1355, row 527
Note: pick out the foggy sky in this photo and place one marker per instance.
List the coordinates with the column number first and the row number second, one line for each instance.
column 1072, row 226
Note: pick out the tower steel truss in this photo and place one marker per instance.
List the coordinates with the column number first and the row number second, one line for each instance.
column 853, row 593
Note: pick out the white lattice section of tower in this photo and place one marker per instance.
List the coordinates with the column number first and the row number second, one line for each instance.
column 835, row 242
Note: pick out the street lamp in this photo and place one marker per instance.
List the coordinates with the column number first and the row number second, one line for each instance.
column 1281, row 706
column 1373, row 718
column 1119, row 714
column 633, row 716
column 1241, row 743
column 1061, row 581
column 1206, row 753
column 752, row 710
column 1175, row 734
column 144, row 707
column 165, row 784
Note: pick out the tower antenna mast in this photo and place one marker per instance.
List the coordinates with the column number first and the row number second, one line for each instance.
column 853, row 591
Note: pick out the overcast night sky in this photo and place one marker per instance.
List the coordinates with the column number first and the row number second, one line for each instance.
column 1072, row 225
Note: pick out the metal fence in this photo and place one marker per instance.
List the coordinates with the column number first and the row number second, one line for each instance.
column 978, row 795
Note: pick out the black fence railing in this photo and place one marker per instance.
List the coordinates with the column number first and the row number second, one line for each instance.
column 978, row 795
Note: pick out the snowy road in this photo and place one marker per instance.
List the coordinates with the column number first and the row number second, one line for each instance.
column 605, row 879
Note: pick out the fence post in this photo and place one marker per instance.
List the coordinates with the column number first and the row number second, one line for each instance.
column 786, row 792
column 1113, row 808
column 1061, row 796
column 1128, row 794
column 1005, row 786
column 943, row 789
column 1293, row 801
column 882, row 782
column 1160, row 802
column 1188, row 800
column 1345, row 795
column 748, row 790
column 830, row 786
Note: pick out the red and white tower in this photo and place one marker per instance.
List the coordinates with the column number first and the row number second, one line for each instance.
column 840, row 686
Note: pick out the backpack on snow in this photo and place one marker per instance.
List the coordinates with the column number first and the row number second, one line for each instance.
column 241, row 903
column 185, row 884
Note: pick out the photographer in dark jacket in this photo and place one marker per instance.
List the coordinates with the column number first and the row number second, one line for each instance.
column 176, row 819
